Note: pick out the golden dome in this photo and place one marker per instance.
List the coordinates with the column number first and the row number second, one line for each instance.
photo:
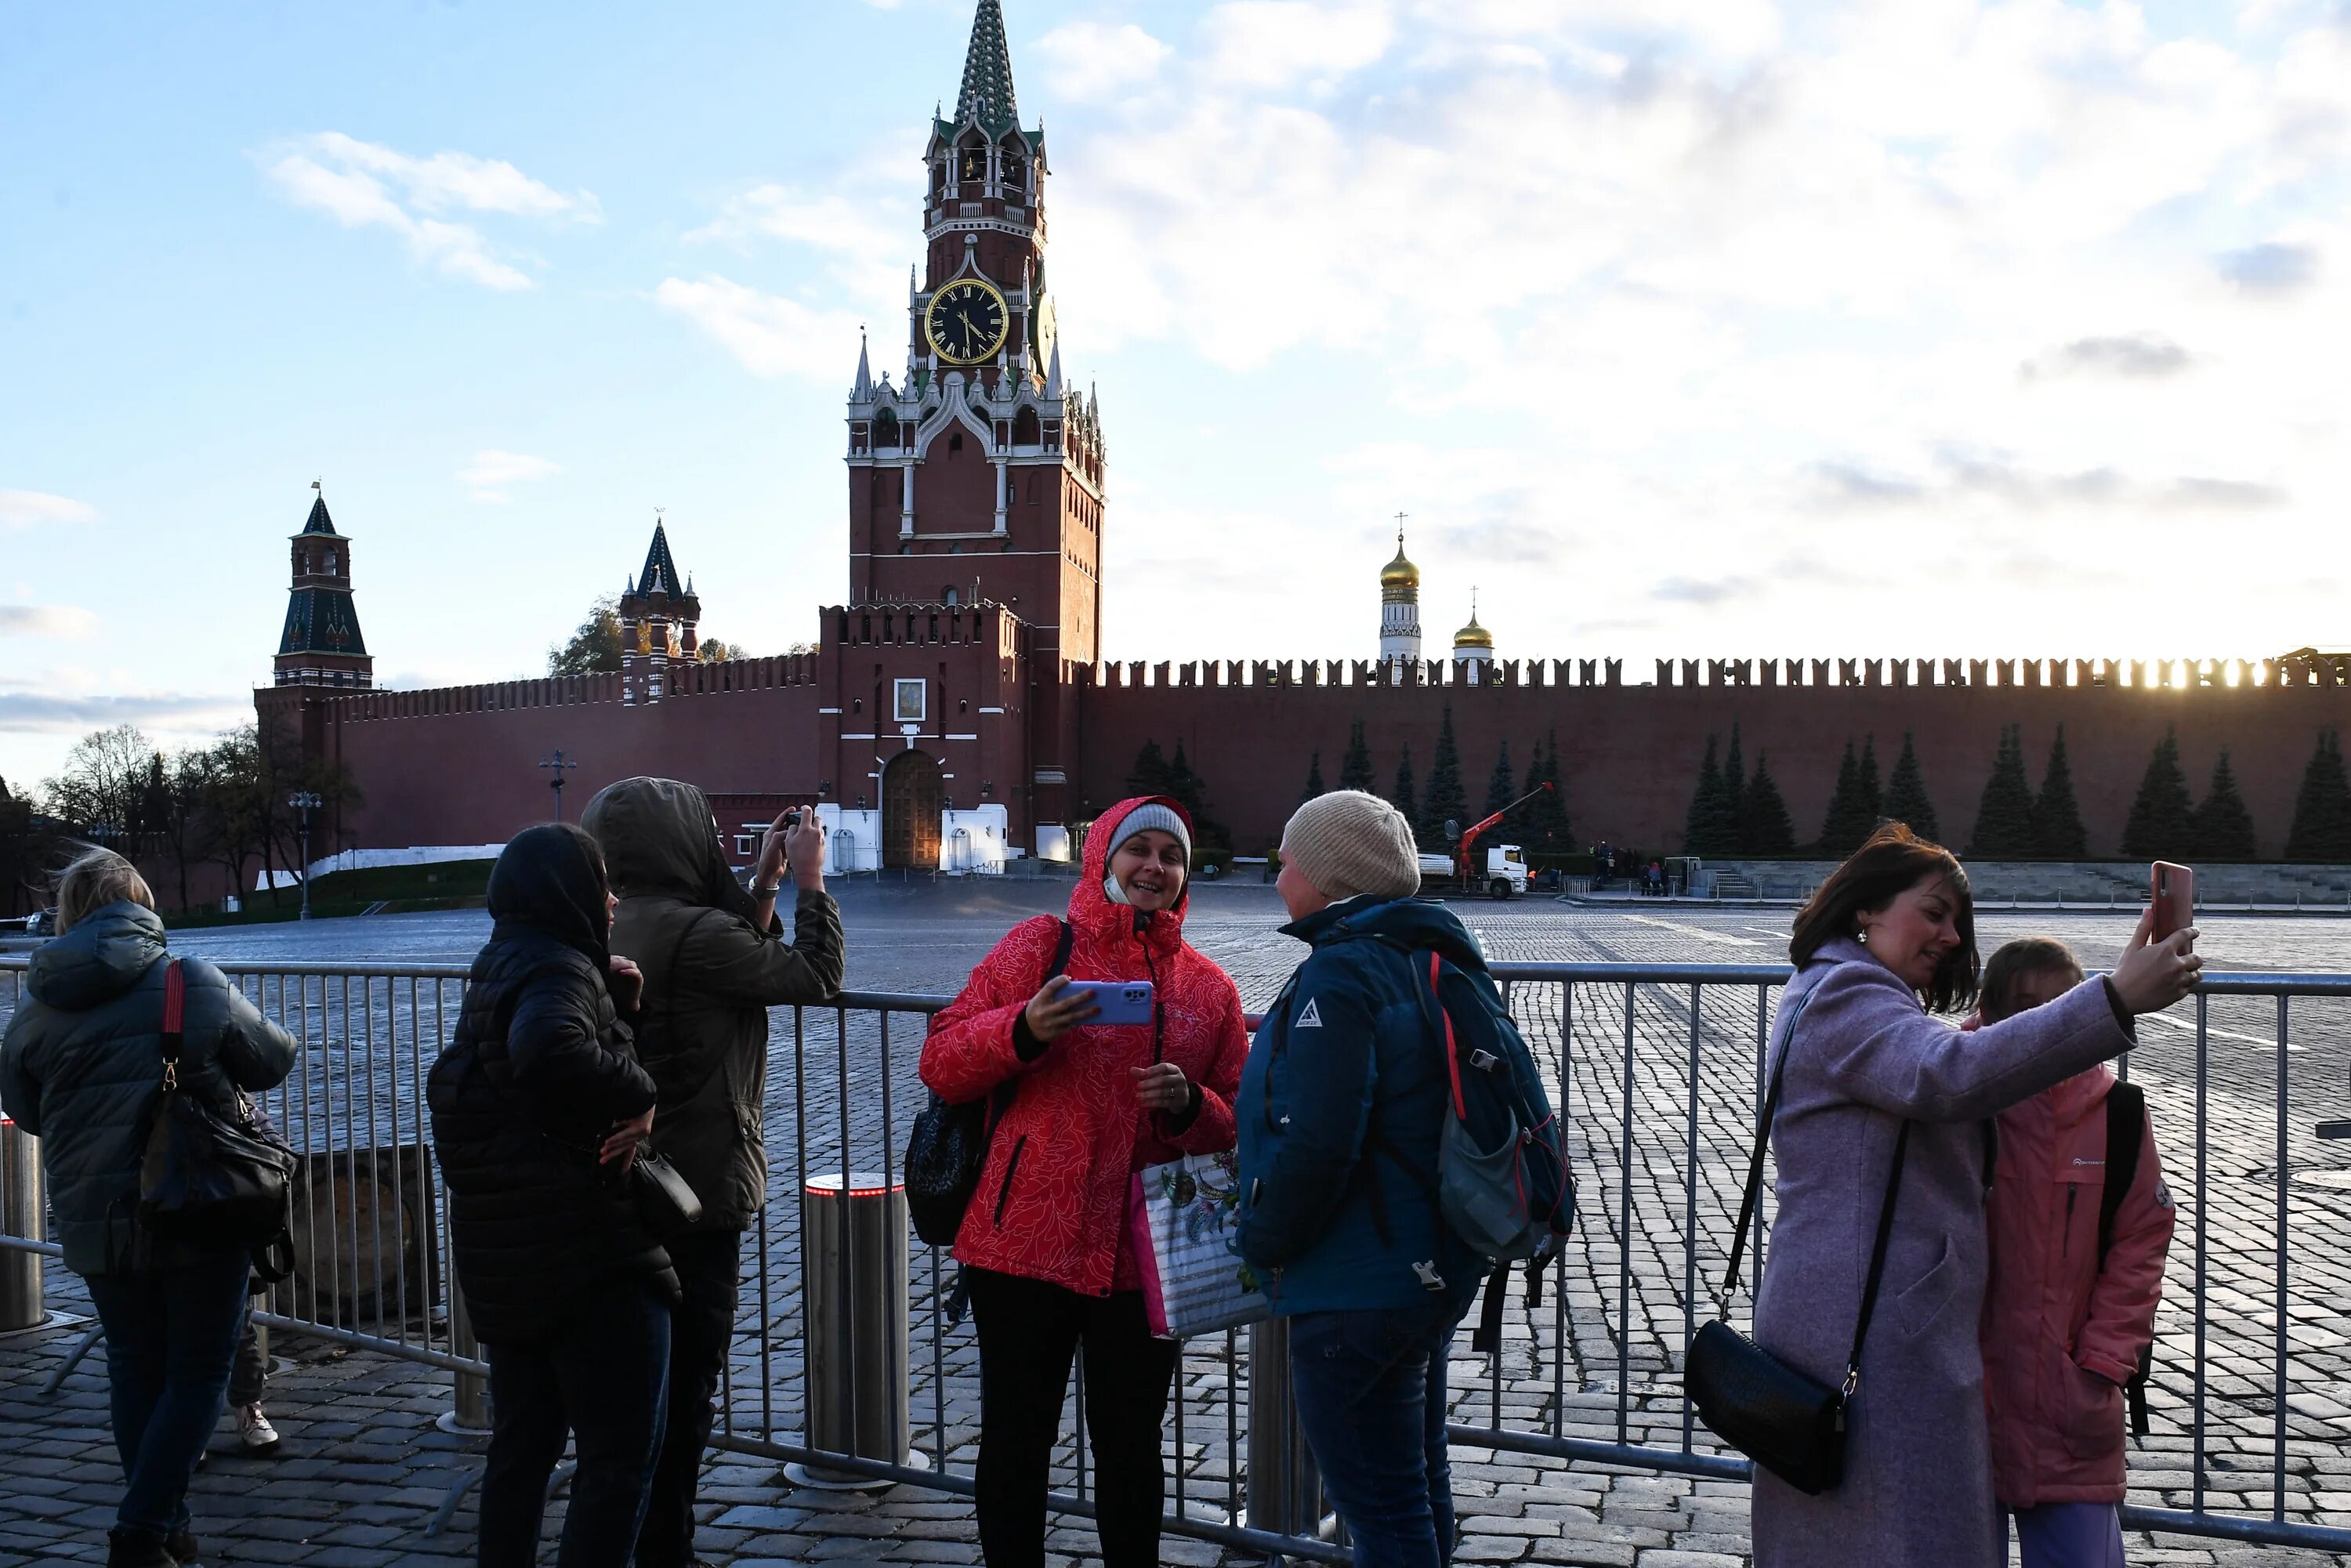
column 1473, row 635
column 1399, row 573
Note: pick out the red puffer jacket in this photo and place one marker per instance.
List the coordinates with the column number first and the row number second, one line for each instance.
column 1052, row 1200
column 2060, row 1336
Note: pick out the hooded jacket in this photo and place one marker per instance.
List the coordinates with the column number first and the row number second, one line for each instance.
column 710, row 977
column 82, row 1068
column 2061, row 1335
column 540, row 1068
column 1051, row 1199
column 1342, row 1107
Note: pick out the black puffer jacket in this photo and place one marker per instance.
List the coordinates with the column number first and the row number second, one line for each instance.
column 82, row 1068
column 710, row 977
column 540, row 1070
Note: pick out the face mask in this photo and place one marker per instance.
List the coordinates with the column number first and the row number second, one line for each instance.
column 1112, row 891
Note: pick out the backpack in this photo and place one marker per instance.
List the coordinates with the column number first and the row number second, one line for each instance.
column 2126, row 1133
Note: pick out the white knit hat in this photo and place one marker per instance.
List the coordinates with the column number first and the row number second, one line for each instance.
column 1151, row 815
column 1347, row 843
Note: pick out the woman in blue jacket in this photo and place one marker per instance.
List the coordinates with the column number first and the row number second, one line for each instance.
column 1341, row 1106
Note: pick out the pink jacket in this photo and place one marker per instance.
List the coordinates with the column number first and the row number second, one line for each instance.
column 2060, row 1336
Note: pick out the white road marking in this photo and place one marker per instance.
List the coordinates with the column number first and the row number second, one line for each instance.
column 1700, row 931
column 1766, row 930
column 2189, row 1026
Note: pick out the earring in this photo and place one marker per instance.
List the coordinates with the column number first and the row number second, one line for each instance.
column 1862, row 936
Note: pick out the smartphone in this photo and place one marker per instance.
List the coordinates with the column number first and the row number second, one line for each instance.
column 2174, row 889
column 1119, row 1001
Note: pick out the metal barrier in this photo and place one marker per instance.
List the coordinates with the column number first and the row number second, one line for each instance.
column 1657, row 1072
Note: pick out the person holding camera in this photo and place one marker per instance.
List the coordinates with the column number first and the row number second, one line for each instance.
column 715, row 960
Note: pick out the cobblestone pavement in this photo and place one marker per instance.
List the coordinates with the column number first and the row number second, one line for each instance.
column 365, row 1468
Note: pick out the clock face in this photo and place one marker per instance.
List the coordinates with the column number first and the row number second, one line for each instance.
column 967, row 321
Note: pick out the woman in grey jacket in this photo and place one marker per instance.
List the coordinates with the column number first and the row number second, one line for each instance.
column 81, row 1069
column 1889, row 941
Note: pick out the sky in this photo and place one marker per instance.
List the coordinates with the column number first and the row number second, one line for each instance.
column 1677, row 328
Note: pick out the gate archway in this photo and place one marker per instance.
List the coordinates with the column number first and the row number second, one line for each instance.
column 912, row 796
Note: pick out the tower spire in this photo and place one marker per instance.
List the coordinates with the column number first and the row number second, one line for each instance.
column 986, row 94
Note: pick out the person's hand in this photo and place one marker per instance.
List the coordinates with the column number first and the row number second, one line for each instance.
column 771, row 868
column 804, row 850
column 626, row 982
column 620, row 1143
column 1162, row 1087
column 1055, row 1009
column 2153, row 975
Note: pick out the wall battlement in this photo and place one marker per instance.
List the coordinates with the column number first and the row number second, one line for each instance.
column 567, row 691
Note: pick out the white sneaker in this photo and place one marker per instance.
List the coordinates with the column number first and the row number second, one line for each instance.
column 254, row 1430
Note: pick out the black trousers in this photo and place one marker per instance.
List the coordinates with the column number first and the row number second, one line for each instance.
column 1029, row 1332
column 708, row 1265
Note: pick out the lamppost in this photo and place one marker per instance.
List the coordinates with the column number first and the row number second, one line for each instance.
column 560, row 768
column 303, row 801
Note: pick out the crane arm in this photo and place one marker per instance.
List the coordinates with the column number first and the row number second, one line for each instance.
column 1462, row 863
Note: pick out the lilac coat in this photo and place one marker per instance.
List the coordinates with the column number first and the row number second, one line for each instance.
column 1918, row 1489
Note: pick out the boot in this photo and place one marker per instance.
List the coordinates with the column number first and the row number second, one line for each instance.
column 128, row 1548
column 181, row 1544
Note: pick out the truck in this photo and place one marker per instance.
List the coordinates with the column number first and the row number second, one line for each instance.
column 1504, row 875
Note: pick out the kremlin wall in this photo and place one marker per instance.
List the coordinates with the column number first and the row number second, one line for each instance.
column 958, row 709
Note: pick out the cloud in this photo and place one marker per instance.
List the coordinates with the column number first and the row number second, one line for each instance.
column 1702, row 591
column 1964, row 476
column 364, row 185
column 23, row 509
column 1090, row 61
column 65, row 621
column 488, row 476
column 1838, row 485
column 50, row 712
column 2144, row 357
column 1271, row 43
column 2270, row 269
column 772, row 336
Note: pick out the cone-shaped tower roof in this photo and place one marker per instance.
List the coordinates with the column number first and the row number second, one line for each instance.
column 988, row 72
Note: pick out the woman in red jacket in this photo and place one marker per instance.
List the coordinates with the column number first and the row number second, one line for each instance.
column 2063, row 1330
column 1044, row 1242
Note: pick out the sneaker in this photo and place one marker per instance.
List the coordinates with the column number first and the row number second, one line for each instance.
column 181, row 1544
column 254, row 1430
column 137, row 1549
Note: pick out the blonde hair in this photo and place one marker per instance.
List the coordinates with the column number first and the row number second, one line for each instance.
column 94, row 881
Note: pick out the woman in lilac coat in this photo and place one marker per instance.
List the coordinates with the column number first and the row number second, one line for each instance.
column 1886, row 943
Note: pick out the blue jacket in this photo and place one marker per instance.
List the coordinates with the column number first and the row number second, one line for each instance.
column 1341, row 1104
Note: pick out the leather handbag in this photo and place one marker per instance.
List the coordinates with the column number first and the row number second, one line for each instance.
column 207, row 1180
column 1787, row 1421
column 948, row 1144
column 665, row 1199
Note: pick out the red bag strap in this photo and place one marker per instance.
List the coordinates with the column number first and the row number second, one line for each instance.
column 1452, row 1051
column 175, row 1007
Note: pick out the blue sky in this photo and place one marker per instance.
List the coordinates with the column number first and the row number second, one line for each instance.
column 1680, row 328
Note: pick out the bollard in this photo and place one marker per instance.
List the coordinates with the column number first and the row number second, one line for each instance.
column 854, row 1246
column 1285, row 1493
column 21, row 1306
column 470, row 1409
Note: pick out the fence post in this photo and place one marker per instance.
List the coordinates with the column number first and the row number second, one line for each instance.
column 1285, row 1493
column 469, row 1410
column 21, row 1306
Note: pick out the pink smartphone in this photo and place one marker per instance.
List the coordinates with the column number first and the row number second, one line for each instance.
column 2174, row 889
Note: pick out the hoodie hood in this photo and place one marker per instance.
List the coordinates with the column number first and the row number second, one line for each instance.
column 550, row 880
column 108, row 952
column 659, row 837
column 1422, row 925
column 1091, row 910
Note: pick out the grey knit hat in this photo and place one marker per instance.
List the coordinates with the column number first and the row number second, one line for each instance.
column 1348, row 842
column 1144, row 818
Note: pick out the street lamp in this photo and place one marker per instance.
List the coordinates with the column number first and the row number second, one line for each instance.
column 302, row 800
column 560, row 768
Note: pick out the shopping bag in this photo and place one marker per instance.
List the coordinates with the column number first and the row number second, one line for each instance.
column 1181, row 1219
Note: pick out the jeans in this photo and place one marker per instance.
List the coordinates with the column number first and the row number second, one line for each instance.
column 604, row 1376
column 170, row 1337
column 1028, row 1333
column 2070, row 1535
column 709, row 1264
column 249, row 1374
column 1371, row 1400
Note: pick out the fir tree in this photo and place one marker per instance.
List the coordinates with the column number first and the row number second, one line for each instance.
column 1190, row 790
column 1501, row 789
column 1402, row 797
column 1712, row 825
column 1149, row 775
column 1447, row 801
column 1872, row 797
column 1542, row 821
column 2322, row 811
column 1355, row 767
column 1734, row 785
column 1765, row 827
column 2162, row 820
column 2223, row 828
column 1314, row 778
column 2057, row 831
column 1850, row 817
column 2004, row 828
column 1905, row 794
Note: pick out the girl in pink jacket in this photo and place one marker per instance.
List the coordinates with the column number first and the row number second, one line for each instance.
column 2062, row 1331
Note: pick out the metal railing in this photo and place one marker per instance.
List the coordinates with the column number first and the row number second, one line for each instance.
column 1657, row 1071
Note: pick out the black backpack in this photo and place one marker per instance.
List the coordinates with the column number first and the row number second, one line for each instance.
column 2126, row 1134
column 948, row 1144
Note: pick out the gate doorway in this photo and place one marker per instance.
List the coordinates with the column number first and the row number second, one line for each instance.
column 911, row 799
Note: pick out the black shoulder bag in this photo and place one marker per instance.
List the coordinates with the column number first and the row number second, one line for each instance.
column 948, row 1144
column 205, row 1179
column 663, row 1196
column 1787, row 1421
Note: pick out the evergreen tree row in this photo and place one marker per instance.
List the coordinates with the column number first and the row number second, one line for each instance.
column 1733, row 813
column 1538, row 826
